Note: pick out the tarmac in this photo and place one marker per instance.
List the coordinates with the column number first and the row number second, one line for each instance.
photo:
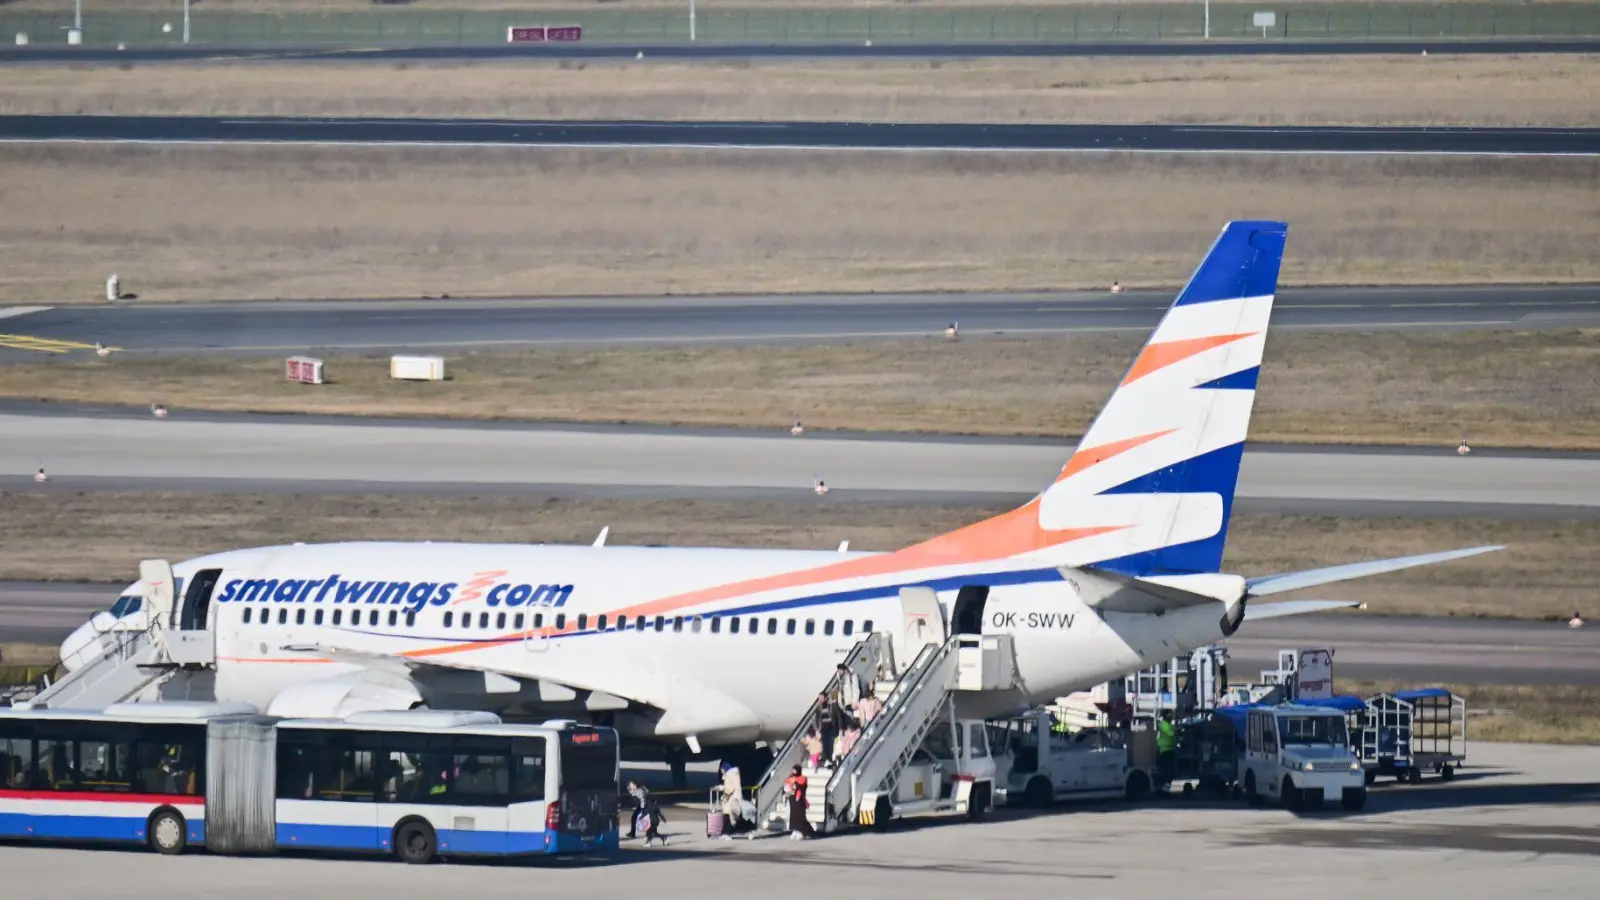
column 1518, row 821
column 1473, row 141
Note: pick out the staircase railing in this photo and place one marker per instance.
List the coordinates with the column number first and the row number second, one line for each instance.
column 76, row 683
column 865, row 655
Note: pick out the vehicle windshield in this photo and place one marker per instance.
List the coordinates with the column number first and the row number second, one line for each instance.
column 126, row 605
column 1312, row 730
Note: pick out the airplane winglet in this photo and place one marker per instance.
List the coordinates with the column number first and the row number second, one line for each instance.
column 601, row 540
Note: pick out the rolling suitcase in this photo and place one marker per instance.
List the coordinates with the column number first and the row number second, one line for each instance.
column 716, row 822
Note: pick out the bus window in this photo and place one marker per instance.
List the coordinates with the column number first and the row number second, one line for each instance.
column 416, row 769
column 527, row 769
column 16, row 763
column 170, row 759
column 481, row 778
column 103, row 766
column 345, row 769
column 52, row 769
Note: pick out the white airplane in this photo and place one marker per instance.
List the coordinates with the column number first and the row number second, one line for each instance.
column 1114, row 566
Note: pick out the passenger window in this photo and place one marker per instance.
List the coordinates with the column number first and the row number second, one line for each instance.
column 601, row 624
column 518, row 621
column 337, row 615
column 299, row 617
column 561, row 621
column 694, row 624
column 848, row 624
column 411, row 618
column 733, row 625
column 811, row 626
column 677, row 623
column 866, row 627
column 247, row 611
column 790, row 628
column 638, row 623
column 394, row 618
column 661, row 623
column 317, row 618
column 449, row 619
column 527, row 769
column 583, row 621
column 755, row 625
column 500, row 621
column 772, row 626
column 483, row 621
column 482, row 779
column 283, row 617
column 827, row 627
column 538, row 620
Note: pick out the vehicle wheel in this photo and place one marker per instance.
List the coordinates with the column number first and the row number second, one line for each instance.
column 1353, row 799
column 978, row 804
column 1138, row 787
column 1311, row 799
column 415, row 843
column 1413, row 776
column 167, row 833
column 1251, row 795
column 1447, row 773
column 882, row 813
column 1371, row 777
column 1039, row 794
column 1290, row 795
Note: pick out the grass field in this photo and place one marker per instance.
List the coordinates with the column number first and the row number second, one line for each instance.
column 1548, row 569
column 307, row 222
column 1547, row 714
column 1515, row 389
column 1385, row 90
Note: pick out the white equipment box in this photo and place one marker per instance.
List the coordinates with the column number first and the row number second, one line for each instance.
column 417, row 368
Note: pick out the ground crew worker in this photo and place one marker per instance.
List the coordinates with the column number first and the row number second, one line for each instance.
column 1166, row 748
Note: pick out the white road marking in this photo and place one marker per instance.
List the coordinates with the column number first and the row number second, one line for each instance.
column 11, row 312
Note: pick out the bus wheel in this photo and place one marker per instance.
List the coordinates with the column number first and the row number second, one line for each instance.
column 1292, row 799
column 978, row 803
column 1039, row 793
column 1138, row 787
column 414, row 843
column 167, row 833
column 1250, row 793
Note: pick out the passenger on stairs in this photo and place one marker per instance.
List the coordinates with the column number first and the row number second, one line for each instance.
column 868, row 707
column 848, row 738
column 794, row 788
column 813, row 744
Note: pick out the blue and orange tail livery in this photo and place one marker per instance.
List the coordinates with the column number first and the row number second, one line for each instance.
column 1150, row 488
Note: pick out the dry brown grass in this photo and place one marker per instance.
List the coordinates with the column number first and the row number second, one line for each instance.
column 1521, row 389
column 392, row 6
column 1389, row 90
column 271, row 222
column 1547, row 714
column 1547, row 570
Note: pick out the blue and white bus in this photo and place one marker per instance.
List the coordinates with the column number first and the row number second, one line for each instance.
column 419, row 784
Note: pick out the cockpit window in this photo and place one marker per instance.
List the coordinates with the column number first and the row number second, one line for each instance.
column 126, row 605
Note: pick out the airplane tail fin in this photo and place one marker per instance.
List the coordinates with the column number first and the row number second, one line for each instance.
column 1150, row 487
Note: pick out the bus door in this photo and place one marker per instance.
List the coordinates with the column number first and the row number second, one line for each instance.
column 588, row 789
column 479, row 793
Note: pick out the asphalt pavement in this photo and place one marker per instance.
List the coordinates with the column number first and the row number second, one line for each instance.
column 376, row 326
column 397, row 51
column 807, row 135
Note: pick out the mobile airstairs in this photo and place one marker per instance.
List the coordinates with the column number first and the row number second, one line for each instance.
column 165, row 660
column 917, row 754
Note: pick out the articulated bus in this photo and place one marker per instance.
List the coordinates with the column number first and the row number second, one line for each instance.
column 420, row 784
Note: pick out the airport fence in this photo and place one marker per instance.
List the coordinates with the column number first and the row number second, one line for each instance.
column 776, row 25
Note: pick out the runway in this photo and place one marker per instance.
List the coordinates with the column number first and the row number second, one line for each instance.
column 367, row 53
column 1367, row 647
column 85, row 452
column 445, row 324
column 806, row 135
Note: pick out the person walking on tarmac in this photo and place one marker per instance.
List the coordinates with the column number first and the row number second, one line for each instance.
column 1166, row 749
column 794, row 787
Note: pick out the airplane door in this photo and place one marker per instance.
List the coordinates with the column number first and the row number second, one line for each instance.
column 922, row 622
column 155, row 576
column 534, row 639
column 195, row 614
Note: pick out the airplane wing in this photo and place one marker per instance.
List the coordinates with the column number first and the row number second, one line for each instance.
column 1294, row 608
column 1293, row 581
column 465, row 679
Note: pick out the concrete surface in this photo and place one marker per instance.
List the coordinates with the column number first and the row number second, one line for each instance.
column 286, row 328
column 1484, row 141
column 170, row 452
column 1520, row 821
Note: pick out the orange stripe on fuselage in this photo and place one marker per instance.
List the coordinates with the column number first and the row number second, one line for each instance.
column 1085, row 457
column 1156, row 357
column 1005, row 535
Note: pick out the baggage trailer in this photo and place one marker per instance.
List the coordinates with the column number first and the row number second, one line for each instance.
column 1412, row 732
column 1207, row 758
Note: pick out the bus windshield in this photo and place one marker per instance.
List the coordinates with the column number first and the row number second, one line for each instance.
column 1312, row 730
column 588, row 760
